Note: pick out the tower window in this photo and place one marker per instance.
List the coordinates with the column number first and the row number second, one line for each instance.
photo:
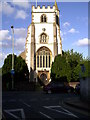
column 43, row 38
column 43, row 18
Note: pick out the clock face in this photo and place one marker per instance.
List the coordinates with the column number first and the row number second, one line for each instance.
column 44, row 29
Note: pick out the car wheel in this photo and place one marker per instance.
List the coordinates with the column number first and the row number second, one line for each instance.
column 49, row 91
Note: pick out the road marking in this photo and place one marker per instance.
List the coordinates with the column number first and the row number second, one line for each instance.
column 26, row 104
column 52, row 106
column 46, row 115
column 69, row 112
column 65, row 111
column 14, row 116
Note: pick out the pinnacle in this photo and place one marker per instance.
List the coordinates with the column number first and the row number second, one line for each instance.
column 56, row 5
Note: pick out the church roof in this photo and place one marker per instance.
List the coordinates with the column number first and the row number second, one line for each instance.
column 56, row 5
column 23, row 55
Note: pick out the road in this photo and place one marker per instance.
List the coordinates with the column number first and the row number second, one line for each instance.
column 38, row 105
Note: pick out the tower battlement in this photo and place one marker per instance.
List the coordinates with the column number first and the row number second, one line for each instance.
column 43, row 7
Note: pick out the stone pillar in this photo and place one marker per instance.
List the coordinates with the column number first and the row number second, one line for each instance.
column 39, row 61
column 32, row 60
column 55, row 40
column 32, row 45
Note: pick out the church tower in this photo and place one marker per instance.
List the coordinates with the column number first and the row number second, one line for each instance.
column 43, row 41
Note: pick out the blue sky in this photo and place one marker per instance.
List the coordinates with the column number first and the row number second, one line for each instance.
column 73, row 25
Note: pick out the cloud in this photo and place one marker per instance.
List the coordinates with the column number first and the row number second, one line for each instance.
column 0, row 7
column 19, row 38
column 82, row 19
column 7, row 9
column 4, row 35
column 82, row 42
column 66, row 24
column 21, row 14
column 61, row 33
column 20, row 32
column 21, row 3
column 5, row 45
column 2, row 58
column 2, row 55
column 20, row 44
column 72, row 30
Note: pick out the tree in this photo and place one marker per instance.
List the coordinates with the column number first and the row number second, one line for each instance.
column 20, row 67
column 8, row 64
column 60, row 69
column 63, row 66
column 73, row 58
column 78, row 72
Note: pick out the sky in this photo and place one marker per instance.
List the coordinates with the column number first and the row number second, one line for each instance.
column 73, row 26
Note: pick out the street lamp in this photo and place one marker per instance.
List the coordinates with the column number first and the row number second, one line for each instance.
column 12, row 70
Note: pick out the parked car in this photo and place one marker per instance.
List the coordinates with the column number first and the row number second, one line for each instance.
column 77, row 88
column 57, row 87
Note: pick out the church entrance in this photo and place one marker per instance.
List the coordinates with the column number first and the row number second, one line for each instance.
column 43, row 77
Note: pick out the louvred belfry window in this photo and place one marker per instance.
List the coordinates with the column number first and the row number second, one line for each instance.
column 43, row 18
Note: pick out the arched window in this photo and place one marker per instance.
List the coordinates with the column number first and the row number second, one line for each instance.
column 43, row 18
column 45, row 58
column 43, row 38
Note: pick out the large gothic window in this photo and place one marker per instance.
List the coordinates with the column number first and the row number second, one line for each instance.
column 43, row 18
column 43, row 38
column 43, row 59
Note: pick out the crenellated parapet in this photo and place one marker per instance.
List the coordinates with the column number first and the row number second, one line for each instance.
column 43, row 8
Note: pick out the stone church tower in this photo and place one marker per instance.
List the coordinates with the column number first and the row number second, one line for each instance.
column 43, row 41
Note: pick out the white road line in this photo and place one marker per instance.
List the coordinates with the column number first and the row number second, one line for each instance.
column 26, row 104
column 46, row 115
column 15, row 110
column 69, row 112
column 66, row 111
column 51, row 106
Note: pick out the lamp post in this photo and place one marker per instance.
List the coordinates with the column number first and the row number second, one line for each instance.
column 12, row 70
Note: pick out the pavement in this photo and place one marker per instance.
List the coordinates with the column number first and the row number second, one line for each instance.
column 78, row 104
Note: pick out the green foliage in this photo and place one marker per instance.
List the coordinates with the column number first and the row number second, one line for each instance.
column 8, row 64
column 20, row 67
column 78, row 71
column 67, row 66
column 0, row 71
column 60, row 68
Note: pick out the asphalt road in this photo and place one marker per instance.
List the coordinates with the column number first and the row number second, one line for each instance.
column 38, row 105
